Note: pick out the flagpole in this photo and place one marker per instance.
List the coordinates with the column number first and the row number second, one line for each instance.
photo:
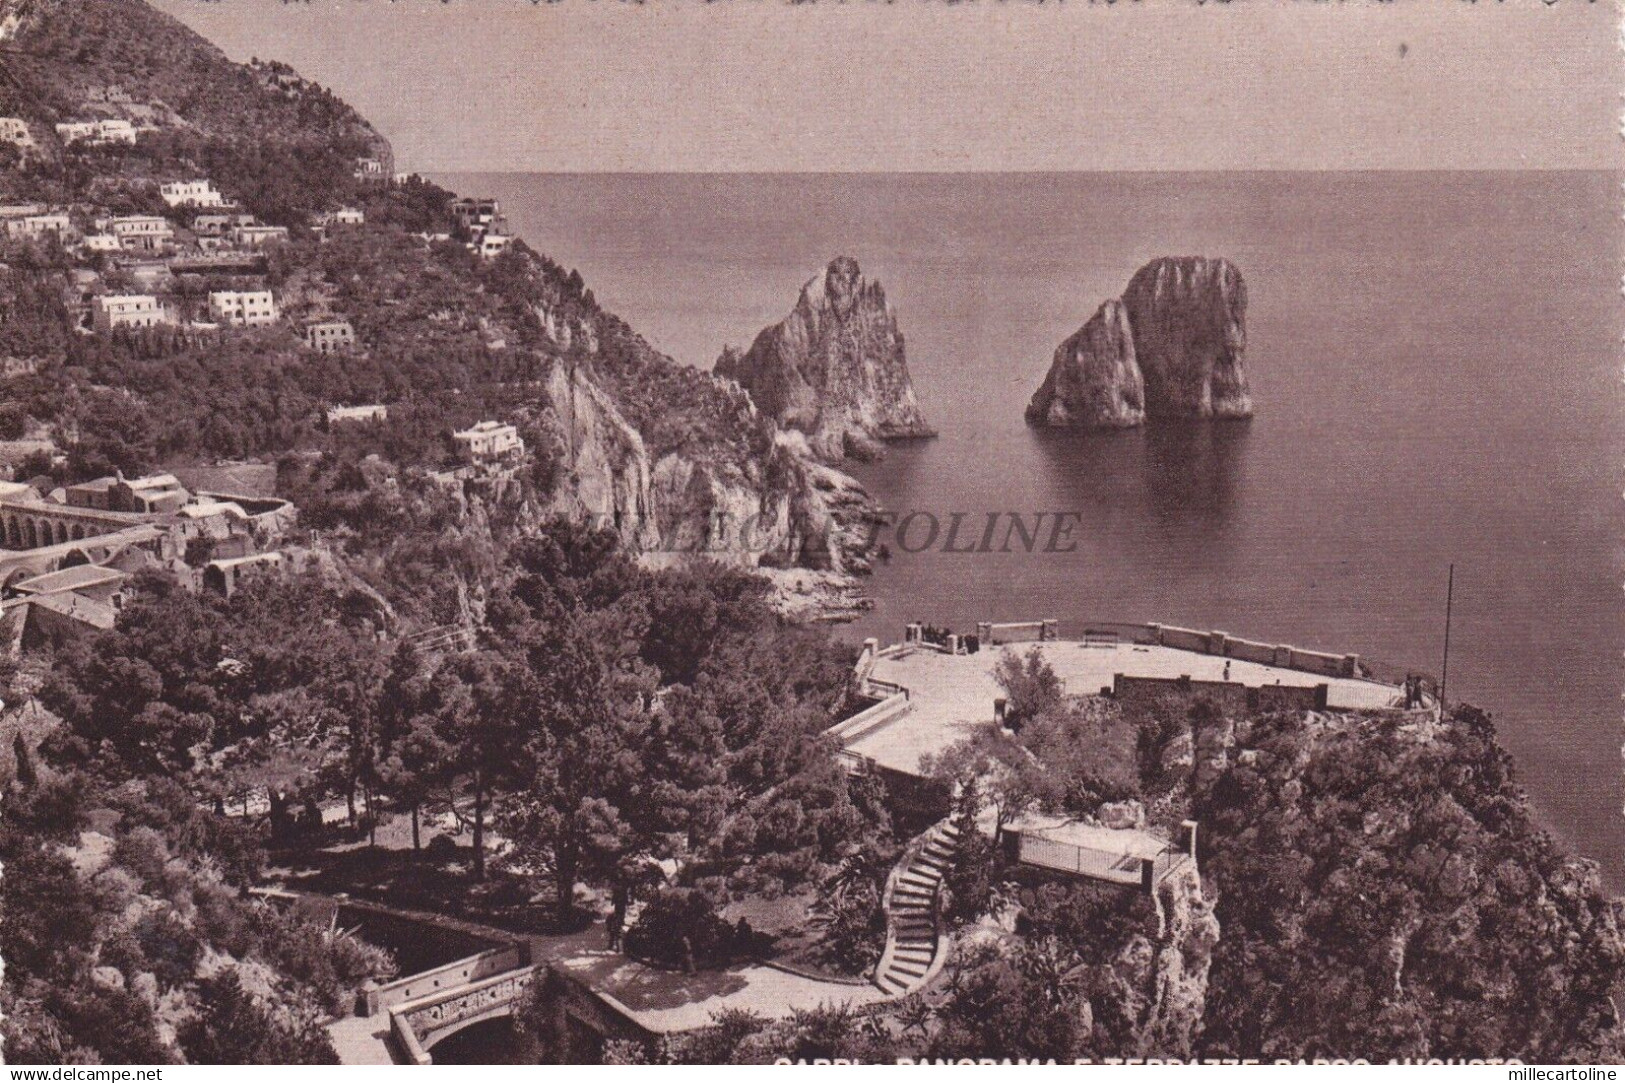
column 1449, row 599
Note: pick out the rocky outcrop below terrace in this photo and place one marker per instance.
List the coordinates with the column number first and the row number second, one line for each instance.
column 834, row 369
column 1171, row 349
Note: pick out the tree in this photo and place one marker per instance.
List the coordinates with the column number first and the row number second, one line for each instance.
column 26, row 775
column 969, row 874
column 1030, row 686
column 233, row 1029
column 480, row 716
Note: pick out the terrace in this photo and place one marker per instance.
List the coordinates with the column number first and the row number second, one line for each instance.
column 930, row 698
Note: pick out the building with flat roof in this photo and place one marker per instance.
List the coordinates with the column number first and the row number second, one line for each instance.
column 243, row 308
column 491, row 245
column 489, row 440
column 329, row 336
column 115, row 130
column 131, row 310
column 353, row 415
column 91, row 580
column 258, row 236
column 474, row 215
column 226, row 576
column 192, row 193
column 15, row 130
column 144, row 495
column 142, row 231
column 38, row 225
column 220, row 223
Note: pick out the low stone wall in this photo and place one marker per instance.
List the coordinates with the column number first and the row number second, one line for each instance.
column 1225, row 645
column 1027, row 631
column 1146, row 693
column 460, row 973
column 871, row 718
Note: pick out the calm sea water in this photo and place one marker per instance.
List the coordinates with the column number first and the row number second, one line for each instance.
column 1434, row 358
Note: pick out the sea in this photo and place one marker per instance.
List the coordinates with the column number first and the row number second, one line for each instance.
column 1434, row 358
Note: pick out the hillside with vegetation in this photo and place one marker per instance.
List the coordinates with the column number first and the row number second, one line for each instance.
column 481, row 696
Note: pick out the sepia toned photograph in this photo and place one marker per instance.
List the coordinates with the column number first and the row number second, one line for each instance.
column 677, row 533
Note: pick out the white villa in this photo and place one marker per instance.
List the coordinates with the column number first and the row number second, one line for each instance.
column 145, row 231
column 330, row 336
column 489, row 440
column 37, row 225
column 193, row 193
column 339, row 415
column 96, row 131
column 15, row 130
column 258, row 236
column 244, row 308
column 127, row 310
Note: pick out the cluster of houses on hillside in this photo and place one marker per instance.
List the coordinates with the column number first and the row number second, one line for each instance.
column 204, row 234
column 66, row 554
column 482, row 227
column 109, row 116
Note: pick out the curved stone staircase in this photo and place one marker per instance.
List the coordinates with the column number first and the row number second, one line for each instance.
column 916, row 944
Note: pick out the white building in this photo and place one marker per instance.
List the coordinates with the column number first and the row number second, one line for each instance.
column 127, row 310
column 258, row 236
column 340, row 415
column 146, row 231
column 193, row 193
column 38, row 225
column 15, row 130
column 245, row 308
column 100, row 242
column 476, row 215
column 344, row 216
column 220, row 224
column 96, row 131
column 329, row 336
column 492, row 245
column 489, row 440
column 370, row 170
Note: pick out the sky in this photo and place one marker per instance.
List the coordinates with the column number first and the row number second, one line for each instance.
column 764, row 85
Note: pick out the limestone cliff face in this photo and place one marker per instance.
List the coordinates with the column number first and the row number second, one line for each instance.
column 1172, row 348
column 1183, row 957
column 1094, row 381
column 834, row 369
column 782, row 509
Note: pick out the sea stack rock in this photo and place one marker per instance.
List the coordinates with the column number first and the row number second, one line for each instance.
column 1094, row 381
column 834, row 368
column 1190, row 332
column 1171, row 349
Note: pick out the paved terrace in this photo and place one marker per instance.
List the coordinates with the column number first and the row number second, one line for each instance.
column 949, row 695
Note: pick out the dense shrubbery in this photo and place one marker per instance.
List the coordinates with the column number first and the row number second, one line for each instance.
column 1387, row 895
column 119, row 937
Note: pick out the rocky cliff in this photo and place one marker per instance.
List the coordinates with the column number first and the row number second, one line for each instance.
column 776, row 509
column 1094, row 381
column 1172, row 348
column 833, row 369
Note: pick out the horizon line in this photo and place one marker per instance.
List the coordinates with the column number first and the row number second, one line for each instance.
column 1619, row 169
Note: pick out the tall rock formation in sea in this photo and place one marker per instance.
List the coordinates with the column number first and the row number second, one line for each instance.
column 1173, row 348
column 834, row 368
column 1094, row 381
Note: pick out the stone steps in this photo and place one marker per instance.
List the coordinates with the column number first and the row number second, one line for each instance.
column 912, row 931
